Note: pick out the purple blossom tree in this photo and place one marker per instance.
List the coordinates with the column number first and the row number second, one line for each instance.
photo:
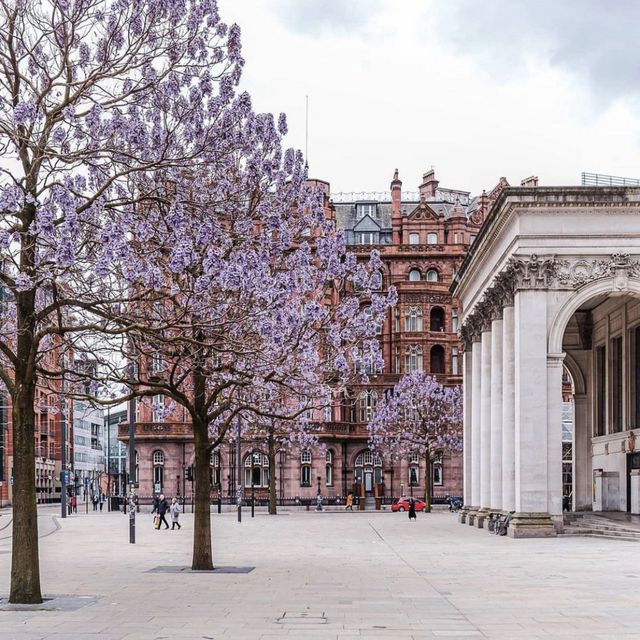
column 261, row 306
column 418, row 416
column 106, row 108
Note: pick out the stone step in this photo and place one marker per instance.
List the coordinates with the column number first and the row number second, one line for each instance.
column 605, row 526
column 602, row 533
column 604, row 536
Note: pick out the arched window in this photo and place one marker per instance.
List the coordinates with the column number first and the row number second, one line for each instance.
column 432, row 275
column 349, row 406
column 437, row 469
column 376, row 284
column 414, row 238
column 158, row 470
column 214, row 469
column 413, row 319
column 256, row 470
column 414, row 470
column 436, row 319
column 305, row 469
column 413, row 359
column 415, row 275
column 432, row 238
column 368, row 404
column 436, row 360
column 329, row 468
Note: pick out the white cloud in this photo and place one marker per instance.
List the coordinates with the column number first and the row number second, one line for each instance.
column 412, row 84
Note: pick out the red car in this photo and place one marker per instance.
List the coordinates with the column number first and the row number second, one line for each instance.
column 402, row 504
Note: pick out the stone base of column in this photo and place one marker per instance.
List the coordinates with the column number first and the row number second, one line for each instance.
column 471, row 515
column 531, row 525
column 462, row 514
column 481, row 518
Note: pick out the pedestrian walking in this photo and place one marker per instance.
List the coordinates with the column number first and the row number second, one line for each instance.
column 74, row 504
column 102, row 500
column 163, row 507
column 412, row 509
column 349, row 504
column 94, row 501
column 175, row 513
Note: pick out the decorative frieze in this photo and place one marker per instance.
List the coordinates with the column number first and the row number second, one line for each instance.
column 541, row 273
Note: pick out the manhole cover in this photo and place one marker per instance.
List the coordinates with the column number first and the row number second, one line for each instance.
column 302, row 618
column 183, row 569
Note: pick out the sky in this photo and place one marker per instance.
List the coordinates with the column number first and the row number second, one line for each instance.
column 476, row 90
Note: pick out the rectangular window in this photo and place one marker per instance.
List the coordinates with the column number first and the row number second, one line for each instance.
column 635, row 377
column 366, row 210
column 616, row 385
column 397, row 319
column 454, row 361
column 368, row 237
column 305, row 476
column 414, row 238
column 601, row 391
column 397, row 368
column 158, row 408
column 454, row 320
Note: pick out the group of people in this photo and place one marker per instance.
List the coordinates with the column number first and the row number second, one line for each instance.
column 97, row 500
column 160, row 508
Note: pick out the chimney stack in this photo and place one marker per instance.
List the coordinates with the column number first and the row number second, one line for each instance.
column 429, row 185
column 531, row 181
column 396, row 211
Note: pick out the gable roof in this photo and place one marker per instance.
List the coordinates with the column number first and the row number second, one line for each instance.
column 367, row 223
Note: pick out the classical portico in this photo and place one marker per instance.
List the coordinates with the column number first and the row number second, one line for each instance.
column 551, row 284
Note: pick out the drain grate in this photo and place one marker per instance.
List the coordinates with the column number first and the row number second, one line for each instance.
column 51, row 603
column 301, row 618
column 183, row 569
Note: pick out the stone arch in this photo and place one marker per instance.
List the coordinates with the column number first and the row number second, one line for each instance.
column 576, row 373
column 575, row 301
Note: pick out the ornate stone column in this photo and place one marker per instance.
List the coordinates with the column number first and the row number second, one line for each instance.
column 476, row 361
column 485, row 425
column 496, row 408
column 531, row 390
column 554, row 437
column 508, row 411
column 467, row 434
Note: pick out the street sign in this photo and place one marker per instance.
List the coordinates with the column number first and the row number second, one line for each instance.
column 157, row 488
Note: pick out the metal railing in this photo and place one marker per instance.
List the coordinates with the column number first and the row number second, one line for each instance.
column 602, row 180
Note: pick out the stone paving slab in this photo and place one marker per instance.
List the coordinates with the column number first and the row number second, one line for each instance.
column 341, row 577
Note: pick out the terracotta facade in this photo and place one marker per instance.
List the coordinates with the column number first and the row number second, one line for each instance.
column 423, row 239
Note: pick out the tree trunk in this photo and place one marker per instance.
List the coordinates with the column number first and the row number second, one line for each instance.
column 202, row 555
column 25, row 562
column 272, row 474
column 427, row 483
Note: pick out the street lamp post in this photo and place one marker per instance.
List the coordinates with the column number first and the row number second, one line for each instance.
column 63, row 454
column 108, row 458
column 132, row 468
column 239, row 473
column 253, row 495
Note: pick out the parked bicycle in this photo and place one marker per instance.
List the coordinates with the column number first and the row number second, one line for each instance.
column 455, row 504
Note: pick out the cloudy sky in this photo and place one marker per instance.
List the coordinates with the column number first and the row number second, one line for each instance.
column 477, row 90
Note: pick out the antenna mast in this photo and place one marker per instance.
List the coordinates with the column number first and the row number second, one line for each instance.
column 306, row 133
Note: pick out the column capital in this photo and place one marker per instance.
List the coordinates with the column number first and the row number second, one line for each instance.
column 555, row 360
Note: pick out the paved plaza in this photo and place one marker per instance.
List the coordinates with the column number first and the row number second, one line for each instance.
column 339, row 576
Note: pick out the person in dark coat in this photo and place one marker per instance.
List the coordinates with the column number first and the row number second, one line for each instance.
column 163, row 507
column 412, row 509
column 156, row 503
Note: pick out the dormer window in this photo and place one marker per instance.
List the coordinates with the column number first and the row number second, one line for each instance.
column 363, row 210
column 368, row 237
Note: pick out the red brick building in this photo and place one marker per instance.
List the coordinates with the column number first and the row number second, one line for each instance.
column 423, row 237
